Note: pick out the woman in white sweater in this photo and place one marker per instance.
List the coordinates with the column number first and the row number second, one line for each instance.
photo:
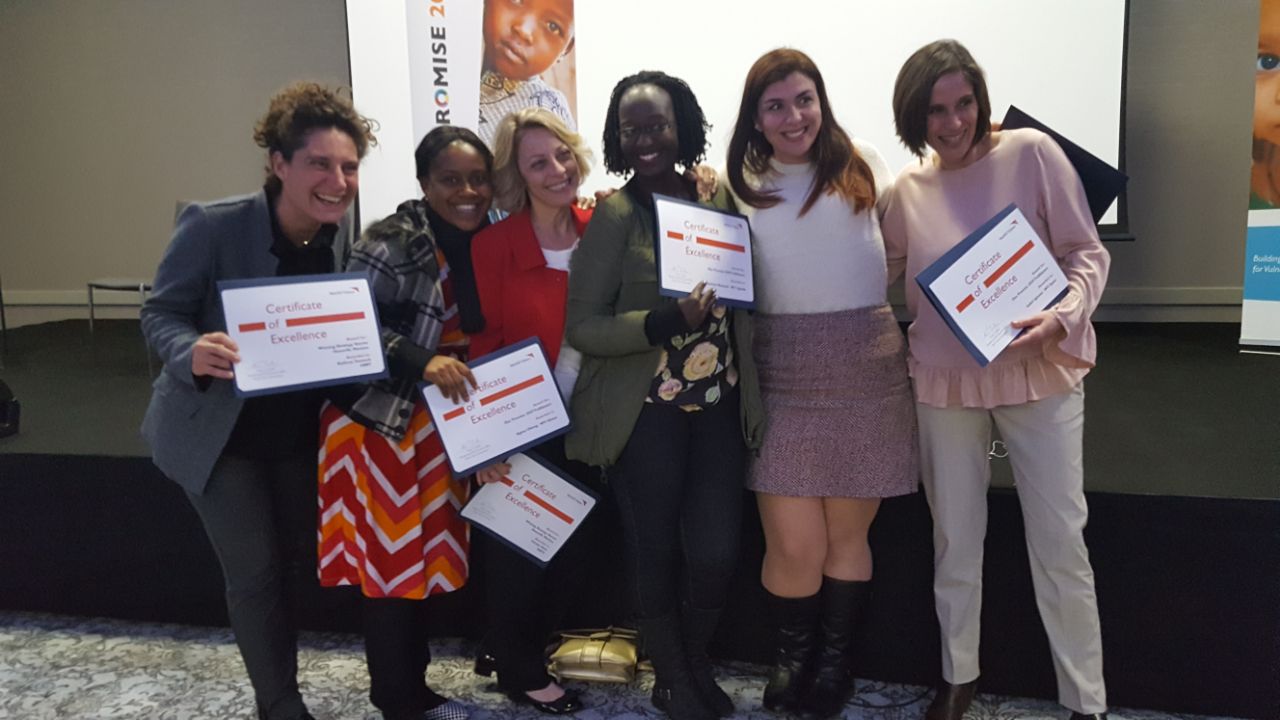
column 840, row 424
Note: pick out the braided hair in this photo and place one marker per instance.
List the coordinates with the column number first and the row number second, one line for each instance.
column 691, row 124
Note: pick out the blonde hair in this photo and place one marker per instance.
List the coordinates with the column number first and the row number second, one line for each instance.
column 510, row 190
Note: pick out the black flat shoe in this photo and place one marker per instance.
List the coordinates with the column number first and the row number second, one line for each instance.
column 567, row 703
column 1088, row 716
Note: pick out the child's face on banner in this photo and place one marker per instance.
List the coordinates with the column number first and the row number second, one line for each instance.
column 522, row 38
column 1266, row 99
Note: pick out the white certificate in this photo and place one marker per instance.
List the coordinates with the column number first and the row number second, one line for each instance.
column 516, row 406
column 1000, row 273
column 696, row 244
column 534, row 509
column 302, row 331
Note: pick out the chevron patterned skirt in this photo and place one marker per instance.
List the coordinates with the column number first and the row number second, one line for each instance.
column 389, row 517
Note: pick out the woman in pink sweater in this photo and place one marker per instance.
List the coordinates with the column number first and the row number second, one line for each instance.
column 1033, row 392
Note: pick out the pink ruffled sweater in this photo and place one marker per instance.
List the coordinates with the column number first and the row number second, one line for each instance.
column 929, row 210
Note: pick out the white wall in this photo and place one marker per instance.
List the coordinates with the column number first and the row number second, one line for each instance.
column 114, row 111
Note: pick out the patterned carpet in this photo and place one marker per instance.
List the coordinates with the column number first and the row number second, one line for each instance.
column 60, row 667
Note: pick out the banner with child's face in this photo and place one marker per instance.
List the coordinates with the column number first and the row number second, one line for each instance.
column 1260, row 314
column 471, row 63
column 418, row 64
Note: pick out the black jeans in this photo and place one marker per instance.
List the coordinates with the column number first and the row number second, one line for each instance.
column 679, row 490
column 525, row 602
column 260, row 516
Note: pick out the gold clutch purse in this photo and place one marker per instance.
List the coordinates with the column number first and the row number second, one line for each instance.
column 605, row 655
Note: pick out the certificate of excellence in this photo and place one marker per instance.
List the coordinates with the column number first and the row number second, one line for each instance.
column 302, row 331
column 696, row 244
column 1000, row 273
column 516, row 406
column 534, row 509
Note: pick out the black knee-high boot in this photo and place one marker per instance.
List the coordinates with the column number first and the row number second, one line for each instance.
column 797, row 640
column 699, row 626
column 673, row 690
column 842, row 603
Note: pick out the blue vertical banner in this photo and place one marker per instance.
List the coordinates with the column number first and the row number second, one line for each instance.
column 1260, row 313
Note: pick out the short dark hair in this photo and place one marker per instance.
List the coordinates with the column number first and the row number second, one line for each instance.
column 305, row 106
column 441, row 137
column 840, row 168
column 691, row 124
column 914, row 88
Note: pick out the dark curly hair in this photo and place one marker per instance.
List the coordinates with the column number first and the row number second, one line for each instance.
column 691, row 124
column 441, row 137
column 914, row 88
column 305, row 106
column 839, row 167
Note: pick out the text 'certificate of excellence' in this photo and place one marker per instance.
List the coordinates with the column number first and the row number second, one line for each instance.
column 516, row 406
column 1001, row 273
column 696, row 244
column 302, row 331
column 534, row 509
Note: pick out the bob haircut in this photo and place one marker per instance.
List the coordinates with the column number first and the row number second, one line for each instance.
column 914, row 88
column 839, row 168
column 302, row 107
column 691, row 124
column 512, row 191
column 441, row 137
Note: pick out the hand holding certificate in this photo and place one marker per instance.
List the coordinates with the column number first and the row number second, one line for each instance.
column 516, row 405
column 1000, row 274
column 697, row 244
column 303, row 331
column 532, row 508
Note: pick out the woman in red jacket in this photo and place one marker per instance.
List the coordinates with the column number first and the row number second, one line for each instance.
column 522, row 277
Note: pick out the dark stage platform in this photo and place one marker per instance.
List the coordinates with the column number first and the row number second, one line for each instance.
column 1184, row 532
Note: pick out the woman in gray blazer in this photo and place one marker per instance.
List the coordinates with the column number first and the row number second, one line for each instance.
column 249, row 466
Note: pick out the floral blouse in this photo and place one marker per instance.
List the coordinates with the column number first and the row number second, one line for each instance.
column 696, row 368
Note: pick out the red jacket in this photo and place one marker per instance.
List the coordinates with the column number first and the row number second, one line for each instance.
column 519, row 295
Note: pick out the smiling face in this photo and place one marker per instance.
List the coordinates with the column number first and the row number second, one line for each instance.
column 548, row 167
column 953, row 115
column 318, row 183
column 789, row 115
column 1266, row 97
column 647, row 130
column 458, row 185
column 523, row 38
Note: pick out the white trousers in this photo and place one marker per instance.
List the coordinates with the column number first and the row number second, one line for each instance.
column 1045, row 441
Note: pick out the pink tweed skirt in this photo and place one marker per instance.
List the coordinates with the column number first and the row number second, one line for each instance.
column 840, row 416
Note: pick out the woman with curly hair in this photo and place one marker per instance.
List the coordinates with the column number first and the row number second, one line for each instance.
column 248, row 466
column 667, row 399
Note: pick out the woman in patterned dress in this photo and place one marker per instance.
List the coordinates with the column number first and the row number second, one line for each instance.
column 389, row 502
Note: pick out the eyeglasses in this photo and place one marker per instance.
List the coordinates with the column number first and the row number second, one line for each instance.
column 634, row 131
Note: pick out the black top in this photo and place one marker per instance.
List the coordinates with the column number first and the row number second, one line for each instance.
column 271, row 427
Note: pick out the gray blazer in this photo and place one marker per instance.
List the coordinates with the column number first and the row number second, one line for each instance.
column 188, row 424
